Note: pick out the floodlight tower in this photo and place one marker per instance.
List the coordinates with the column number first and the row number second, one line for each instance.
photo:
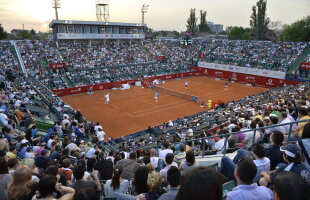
column 144, row 10
column 56, row 5
column 102, row 10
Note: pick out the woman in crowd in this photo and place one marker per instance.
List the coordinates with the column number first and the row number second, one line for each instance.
column 201, row 183
column 22, row 187
column 154, row 181
column 189, row 163
column 47, row 187
column 5, row 178
column 116, row 184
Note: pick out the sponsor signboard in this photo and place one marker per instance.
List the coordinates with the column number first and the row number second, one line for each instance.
column 244, row 70
column 305, row 66
column 67, row 36
column 57, row 65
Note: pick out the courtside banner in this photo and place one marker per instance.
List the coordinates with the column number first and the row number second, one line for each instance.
column 57, row 65
column 105, row 86
column 243, row 70
column 261, row 81
column 305, row 66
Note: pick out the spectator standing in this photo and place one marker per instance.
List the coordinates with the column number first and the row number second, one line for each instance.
column 129, row 166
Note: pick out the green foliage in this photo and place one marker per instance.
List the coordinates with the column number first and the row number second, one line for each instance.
column 238, row 33
column 203, row 26
column 297, row 31
column 24, row 35
column 192, row 22
column 3, row 34
column 222, row 33
column 176, row 33
column 258, row 20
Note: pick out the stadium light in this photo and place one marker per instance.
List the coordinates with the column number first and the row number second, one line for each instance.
column 144, row 10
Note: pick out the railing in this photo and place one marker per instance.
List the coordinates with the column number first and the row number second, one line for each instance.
column 203, row 139
column 20, row 59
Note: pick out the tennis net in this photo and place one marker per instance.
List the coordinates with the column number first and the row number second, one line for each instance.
column 177, row 94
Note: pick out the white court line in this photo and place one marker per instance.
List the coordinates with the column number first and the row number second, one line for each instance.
column 162, row 109
column 122, row 111
column 159, row 106
column 219, row 94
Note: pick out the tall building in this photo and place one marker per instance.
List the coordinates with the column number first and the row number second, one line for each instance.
column 216, row 28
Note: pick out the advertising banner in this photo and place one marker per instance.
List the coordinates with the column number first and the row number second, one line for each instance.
column 243, row 70
column 66, row 36
column 105, row 86
column 57, row 65
column 305, row 66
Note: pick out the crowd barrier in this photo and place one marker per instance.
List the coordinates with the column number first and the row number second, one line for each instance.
column 104, row 86
column 289, row 137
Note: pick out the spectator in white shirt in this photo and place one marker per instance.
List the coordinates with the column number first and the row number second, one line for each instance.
column 3, row 118
column 162, row 153
column 100, row 135
column 49, row 142
column 284, row 120
column 97, row 127
column 29, row 153
column 72, row 146
column 154, row 159
column 17, row 103
column 65, row 121
column 91, row 152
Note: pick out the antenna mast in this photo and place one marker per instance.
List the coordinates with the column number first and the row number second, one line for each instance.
column 56, row 5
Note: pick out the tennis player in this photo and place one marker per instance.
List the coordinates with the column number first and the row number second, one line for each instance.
column 156, row 96
column 226, row 85
column 107, row 98
column 186, row 84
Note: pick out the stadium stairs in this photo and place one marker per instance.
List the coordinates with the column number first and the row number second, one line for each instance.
column 21, row 62
column 300, row 59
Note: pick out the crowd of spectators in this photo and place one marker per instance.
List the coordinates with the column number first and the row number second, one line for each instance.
column 307, row 59
column 73, row 161
column 104, row 62
column 277, row 56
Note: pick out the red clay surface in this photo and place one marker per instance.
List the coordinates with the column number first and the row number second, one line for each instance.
column 133, row 110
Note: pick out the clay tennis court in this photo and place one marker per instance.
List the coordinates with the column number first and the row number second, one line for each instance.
column 135, row 109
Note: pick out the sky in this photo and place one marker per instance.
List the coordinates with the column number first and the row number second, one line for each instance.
column 162, row 14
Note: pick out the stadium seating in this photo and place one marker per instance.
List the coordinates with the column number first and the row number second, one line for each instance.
column 40, row 117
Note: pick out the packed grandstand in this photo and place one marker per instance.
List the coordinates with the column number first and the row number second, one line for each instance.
column 175, row 160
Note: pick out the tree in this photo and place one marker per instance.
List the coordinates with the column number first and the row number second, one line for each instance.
column 3, row 33
column 203, row 26
column 32, row 32
column 192, row 22
column 24, row 35
column 297, row 31
column 238, row 33
column 259, row 21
